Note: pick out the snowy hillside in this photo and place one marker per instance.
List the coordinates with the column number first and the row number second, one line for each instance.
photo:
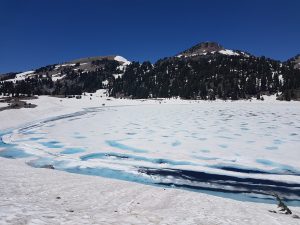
column 59, row 71
column 21, row 76
column 206, row 71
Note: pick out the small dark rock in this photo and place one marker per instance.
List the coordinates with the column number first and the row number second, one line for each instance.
column 70, row 210
column 296, row 217
column 48, row 167
column 58, row 197
column 272, row 211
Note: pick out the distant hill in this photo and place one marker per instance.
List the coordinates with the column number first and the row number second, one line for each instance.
column 204, row 71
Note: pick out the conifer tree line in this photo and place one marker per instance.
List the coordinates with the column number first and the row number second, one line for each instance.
column 208, row 78
column 200, row 77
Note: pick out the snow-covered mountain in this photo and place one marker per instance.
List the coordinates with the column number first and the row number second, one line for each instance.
column 209, row 48
column 204, row 71
column 59, row 71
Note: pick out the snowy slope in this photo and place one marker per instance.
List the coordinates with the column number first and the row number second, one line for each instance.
column 122, row 59
column 21, row 76
column 85, row 65
column 228, row 52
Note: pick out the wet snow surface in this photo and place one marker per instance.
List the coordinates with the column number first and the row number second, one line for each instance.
column 240, row 151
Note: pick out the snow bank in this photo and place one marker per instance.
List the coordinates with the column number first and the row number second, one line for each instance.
column 228, row 52
column 122, row 59
column 21, row 76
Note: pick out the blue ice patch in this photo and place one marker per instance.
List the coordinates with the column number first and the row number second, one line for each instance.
column 52, row 144
column 223, row 146
column 278, row 142
column 104, row 155
column 72, row 151
column 13, row 153
column 205, row 150
column 79, row 137
column 271, row 148
column 109, row 173
column 36, row 138
column 205, row 158
column 279, row 168
column 118, row 145
column 176, row 143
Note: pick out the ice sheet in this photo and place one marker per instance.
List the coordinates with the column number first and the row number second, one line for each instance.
column 217, row 146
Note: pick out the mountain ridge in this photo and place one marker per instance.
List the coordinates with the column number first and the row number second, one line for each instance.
column 204, row 71
column 187, row 52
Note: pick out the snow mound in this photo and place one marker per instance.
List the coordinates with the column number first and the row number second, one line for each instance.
column 122, row 59
column 228, row 52
column 245, row 54
column 118, row 75
column 58, row 76
column 105, row 83
column 24, row 73
column 64, row 65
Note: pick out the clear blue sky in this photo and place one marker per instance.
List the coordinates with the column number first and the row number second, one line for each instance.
column 34, row 33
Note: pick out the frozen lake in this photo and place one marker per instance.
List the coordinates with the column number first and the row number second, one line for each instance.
column 244, row 151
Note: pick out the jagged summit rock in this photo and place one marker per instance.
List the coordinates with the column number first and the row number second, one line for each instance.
column 93, row 58
column 118, row 58
column 209, row 48
column 203, row 48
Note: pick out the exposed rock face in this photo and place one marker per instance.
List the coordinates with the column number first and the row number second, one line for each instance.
column 203, row 48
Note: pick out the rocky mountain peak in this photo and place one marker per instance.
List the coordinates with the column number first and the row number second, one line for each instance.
column 203, row 48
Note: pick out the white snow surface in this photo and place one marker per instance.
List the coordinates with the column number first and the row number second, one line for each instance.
column 122, row 59
column 29, row 195
column 57, row 76
column 21, row 76
column 64, row 65
column 228, row 52
column 105, row 82
column 245, row 54
column 118, row 75
column 280, row 78
column 224, row 52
